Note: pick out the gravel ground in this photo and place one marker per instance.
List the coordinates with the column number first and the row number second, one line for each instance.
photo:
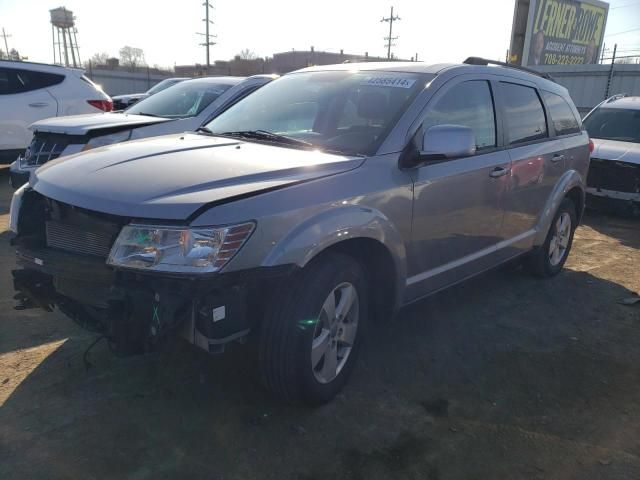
column 502, row 377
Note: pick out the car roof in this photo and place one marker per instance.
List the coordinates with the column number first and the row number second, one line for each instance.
column 438, row 68
column 40, row 67
column 216, row 80
column 629, row 103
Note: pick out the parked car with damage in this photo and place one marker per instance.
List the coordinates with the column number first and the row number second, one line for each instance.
column 33, row 91
column 183, row 107
column 613, row 183
column 120, row 102
column 329, row 198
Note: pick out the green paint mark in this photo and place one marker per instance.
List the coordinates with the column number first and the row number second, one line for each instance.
column 304, row 324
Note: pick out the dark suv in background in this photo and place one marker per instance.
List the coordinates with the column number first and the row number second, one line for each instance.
column 330, row 196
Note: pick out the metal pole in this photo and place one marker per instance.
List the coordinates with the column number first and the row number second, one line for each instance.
column 73, row 53
column 604, row 47
column 6, row 46
column 613, row 59
column 207, row 32
column 53, row 42
column 390, row 30
column 66, row 50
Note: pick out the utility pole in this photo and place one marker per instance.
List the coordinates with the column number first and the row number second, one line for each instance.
column 207, row 36
column 610, row 77
column 390, row 38
column 6, row 46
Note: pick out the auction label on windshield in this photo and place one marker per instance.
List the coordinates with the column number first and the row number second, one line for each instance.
column 389, row 81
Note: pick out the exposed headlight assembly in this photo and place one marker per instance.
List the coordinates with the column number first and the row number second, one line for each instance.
column 14, row 209
column 179, row 250
column 104, row 140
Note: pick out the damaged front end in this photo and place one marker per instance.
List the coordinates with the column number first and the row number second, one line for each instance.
column 614, row 185
column 62, row 251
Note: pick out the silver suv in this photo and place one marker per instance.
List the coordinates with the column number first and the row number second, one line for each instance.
column 330, row 197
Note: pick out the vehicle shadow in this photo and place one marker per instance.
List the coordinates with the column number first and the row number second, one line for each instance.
column 624, row 229
column 477, row 381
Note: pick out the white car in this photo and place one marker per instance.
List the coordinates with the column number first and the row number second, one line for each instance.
column 120, row 102
column 614, row 174
column 32, row 91
column 181, row 107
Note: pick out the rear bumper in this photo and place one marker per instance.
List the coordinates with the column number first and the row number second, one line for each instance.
column 135, row 311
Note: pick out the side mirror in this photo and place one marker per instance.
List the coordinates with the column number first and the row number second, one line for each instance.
column 445, row 142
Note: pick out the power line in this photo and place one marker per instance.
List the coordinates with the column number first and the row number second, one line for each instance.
column 621, row 33
column 390, row 38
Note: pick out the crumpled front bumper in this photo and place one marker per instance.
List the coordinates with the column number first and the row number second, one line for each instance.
column 135, row 310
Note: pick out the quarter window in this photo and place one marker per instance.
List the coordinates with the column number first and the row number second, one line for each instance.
column 18, row 81
column 562, row 117
column 469, row 104
column 524, row 114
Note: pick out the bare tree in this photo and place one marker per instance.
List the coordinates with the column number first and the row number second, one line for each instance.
column 247, row 54
column 132, row 57
column 14, row 54
column 99, row 58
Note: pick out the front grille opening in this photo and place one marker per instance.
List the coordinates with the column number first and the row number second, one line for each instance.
column 80, row 231
column 614, row 175
column 45, row 147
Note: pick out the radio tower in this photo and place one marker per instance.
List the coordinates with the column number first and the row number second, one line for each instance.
column 390, row 38
column 207, row 36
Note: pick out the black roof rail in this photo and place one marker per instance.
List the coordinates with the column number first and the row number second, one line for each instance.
column 484, row 61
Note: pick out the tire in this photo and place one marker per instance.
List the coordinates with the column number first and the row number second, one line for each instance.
column 543, row 262
column 297, row 320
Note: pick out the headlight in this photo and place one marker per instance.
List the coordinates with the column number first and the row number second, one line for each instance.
column 14, row 210
column 183, row 250
column 117, row 137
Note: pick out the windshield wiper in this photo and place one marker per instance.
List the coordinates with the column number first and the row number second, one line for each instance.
column 204, row 130
column 269, row 136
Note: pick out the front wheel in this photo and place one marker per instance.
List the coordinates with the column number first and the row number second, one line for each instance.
column 548, row 259
column 312, row 333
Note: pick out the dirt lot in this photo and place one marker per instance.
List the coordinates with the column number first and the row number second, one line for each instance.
column 505, row 376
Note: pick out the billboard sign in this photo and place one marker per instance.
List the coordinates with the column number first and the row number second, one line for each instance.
column 558, row 32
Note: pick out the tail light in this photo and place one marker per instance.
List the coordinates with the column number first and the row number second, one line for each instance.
column 591, row 146
column 104, row 105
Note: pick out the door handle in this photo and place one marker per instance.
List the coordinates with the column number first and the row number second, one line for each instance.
column 498, row 172
column 557, row 157
column 38, row 104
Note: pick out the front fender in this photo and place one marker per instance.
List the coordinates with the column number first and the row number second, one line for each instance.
column 331, row 227
column 569, row 180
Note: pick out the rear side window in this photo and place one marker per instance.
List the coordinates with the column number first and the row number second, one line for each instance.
column 469, row 104
column 562, row 117
column 19, row 81
column 524, row 114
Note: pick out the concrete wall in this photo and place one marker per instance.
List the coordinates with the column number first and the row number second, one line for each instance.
column 117, row 82
column 587, row 84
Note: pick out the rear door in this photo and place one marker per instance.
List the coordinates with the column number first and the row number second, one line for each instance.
column 23, row 100
column 458, row 204
column 537, row 158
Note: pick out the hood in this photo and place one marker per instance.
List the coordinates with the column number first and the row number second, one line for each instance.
column 89, row 123
column 617, row 151
column 170, row 177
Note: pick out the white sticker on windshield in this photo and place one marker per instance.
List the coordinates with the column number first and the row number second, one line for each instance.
column 397, row 82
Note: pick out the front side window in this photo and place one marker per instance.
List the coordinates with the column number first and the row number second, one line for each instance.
column 620, row 124
column 186, row 99
column 524, row 114
column 562, row 117
column 349, row 112
column 469, row 104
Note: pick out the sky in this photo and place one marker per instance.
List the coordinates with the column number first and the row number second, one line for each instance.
column 438, row 31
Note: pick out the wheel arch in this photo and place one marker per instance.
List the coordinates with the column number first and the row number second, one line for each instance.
column 363, row 233
column 570, row 185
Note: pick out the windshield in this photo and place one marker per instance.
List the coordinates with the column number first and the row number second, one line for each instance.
column 186, row 99
column 614, row 124
column 347, row 112
column 164, row 84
